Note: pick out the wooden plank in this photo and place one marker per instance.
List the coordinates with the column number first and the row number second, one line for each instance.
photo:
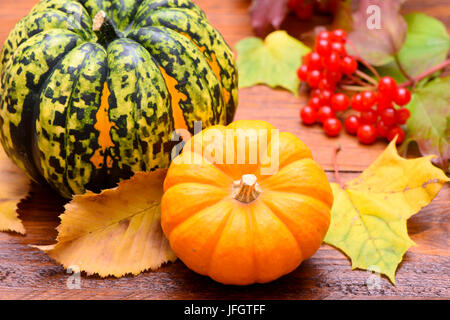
column 27, row 273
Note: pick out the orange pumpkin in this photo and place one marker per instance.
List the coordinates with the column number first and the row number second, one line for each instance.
column 236, row 221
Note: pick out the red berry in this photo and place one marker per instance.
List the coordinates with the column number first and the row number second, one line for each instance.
column 325, row 84
column 305, row 10
column 383, row 102
column 325, row 97
column 388, row 116
column 356, row 102
column 327, row 7
column 315, row 102
column 351, row 124
column 306, row 58
column 324, row 113
column 402, row 97
column 293, row 4
column 332, row 76
column 339, row 48
column 348, row 65
column 339, row 102
column 308, row 115
column 368, row 100
column 388, row 87
column 315, row 92
column 402, row 115
column 396, row 131
column 333, row 61
column 332, row 127
column 368, row 117
column 322, row 47
column 366, row 134
column 339, row 35
column 323, row 35
column 302, row 72
column 382, row 129
column 314, row 61
column 314, row 77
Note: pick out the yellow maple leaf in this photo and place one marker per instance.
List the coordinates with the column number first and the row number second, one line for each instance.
column 14, row 186
column 369, row 214
column 116, row 232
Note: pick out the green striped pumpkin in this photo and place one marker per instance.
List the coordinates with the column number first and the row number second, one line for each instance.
column 92, row 90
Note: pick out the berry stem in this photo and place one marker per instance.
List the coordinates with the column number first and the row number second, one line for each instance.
column 357, row 88
column 425, row 74
column 366, row 77
column 357, row 81
column 336, row 150
column 364, row 62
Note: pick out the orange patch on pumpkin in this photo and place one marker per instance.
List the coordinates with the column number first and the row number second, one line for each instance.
column 176, row 97
column 103, row 126
column 213, row 64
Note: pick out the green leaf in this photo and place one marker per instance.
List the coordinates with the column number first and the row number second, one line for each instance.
column 369, row 214
column 273, row 62
column 429, row 124
column 427, row 44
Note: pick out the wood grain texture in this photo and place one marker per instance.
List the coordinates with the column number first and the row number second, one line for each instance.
column 26, row 273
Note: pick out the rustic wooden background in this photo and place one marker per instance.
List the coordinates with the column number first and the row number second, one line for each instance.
column 26, row 273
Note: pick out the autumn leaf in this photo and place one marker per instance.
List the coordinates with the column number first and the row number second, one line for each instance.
column 429, row 124
column 369, row 214
column 14, row 186
column 116, row 232
column 266, row 14
column 378, row 44
column 427, row 44
column 273, row 61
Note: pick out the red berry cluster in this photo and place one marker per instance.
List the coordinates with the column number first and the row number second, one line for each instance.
column 304, row 9
column 377, row 115
column 323, row 68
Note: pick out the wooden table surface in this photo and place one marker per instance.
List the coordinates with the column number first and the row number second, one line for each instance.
column 27, row 273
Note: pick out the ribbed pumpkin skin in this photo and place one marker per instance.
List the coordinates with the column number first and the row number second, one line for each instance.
column 80, row 116
column 240, row 243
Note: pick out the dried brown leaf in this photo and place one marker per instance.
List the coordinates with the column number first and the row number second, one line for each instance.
column 14, row 186
column 116, row 232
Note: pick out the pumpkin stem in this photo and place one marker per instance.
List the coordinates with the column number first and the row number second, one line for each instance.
column 247, row 189
column 104, row 29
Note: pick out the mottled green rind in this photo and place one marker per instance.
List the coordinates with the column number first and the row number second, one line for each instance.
column 23, row 76
column 53, row 73
column 193, row 23
column 65, row 127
